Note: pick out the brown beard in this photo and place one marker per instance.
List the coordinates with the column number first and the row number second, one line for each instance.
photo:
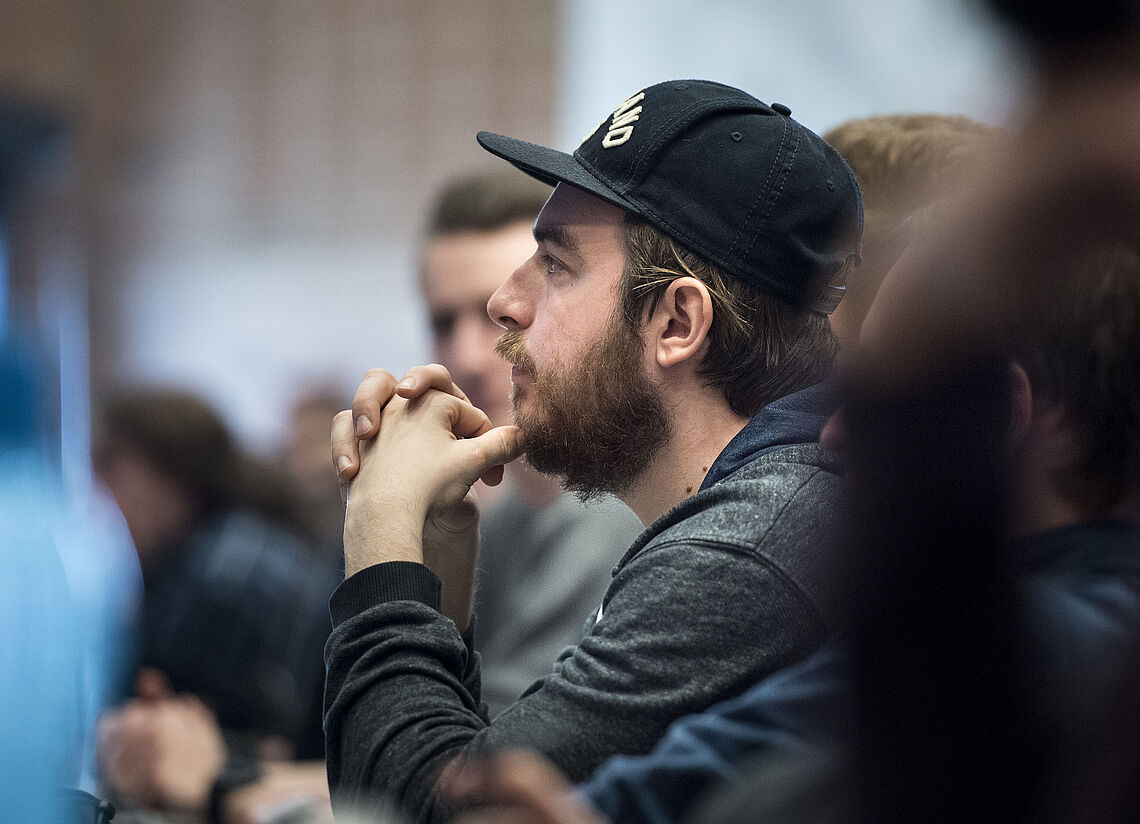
column 597, row 423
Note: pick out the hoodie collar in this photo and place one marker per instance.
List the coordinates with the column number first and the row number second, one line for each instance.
column 793, row 419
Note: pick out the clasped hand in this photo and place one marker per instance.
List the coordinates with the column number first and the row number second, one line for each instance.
column 407, row 454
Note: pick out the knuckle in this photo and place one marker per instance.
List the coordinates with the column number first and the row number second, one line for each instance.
column 341, row 431
column 362, row 404
column 438, row 373
column 378, row 373
column 488, row 450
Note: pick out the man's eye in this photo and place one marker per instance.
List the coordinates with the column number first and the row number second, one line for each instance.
column 553, row 265
column 442, row 326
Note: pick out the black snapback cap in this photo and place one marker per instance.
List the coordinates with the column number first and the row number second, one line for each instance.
column 729, row 177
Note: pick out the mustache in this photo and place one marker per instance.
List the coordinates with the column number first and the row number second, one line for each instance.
column 511, row 347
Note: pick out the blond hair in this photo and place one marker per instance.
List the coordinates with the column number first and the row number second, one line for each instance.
column 902, row 163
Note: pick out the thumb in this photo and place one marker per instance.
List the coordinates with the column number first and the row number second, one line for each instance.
column 494, row 448
column 153, row 685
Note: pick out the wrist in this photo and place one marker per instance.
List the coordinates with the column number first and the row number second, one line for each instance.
column 238, row 771
column 377, row 534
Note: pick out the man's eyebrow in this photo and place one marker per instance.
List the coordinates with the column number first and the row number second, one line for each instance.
column 556, row 235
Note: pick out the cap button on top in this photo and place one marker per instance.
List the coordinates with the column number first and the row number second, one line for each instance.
column 780, row 108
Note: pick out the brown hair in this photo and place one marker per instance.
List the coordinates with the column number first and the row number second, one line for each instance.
column 486, row 201
column 186, row 439
column 760, row 348
column 1082, row 350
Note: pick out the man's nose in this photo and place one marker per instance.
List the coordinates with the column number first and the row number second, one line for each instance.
column 508, row 306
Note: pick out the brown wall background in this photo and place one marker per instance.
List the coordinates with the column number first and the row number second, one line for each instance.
column 237, row 124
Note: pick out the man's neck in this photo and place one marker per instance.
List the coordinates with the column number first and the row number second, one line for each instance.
column 1041, row 510
column 700, row 430
column 1041, row 497
column 1040, row 507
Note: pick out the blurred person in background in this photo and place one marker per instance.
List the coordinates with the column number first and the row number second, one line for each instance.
column 545, row 557
column 1064, row 188
column 903, row 163
column 304, row 459
column 1040, row 673
column 234, row 615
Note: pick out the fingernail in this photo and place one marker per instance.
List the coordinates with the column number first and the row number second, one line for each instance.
column 363, row 426
column 342, row 463
column 407, row 383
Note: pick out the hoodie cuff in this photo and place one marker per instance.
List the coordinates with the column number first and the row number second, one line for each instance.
column 381, row 583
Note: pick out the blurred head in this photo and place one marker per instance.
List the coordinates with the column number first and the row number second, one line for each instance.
column 305, row 460
column 477, row 233
column 306, row 449
column 903, row 163
column 1080, row 351
column 168, row 459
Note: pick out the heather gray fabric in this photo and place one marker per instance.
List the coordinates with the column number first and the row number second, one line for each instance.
column 542, row 572
column 724, row 589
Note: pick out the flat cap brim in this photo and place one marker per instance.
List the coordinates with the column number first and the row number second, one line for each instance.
column 549, row 165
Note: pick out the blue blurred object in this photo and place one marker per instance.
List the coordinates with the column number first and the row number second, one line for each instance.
column 41, row 658
column 63, row 587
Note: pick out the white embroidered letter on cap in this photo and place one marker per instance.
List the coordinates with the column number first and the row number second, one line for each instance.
column 621, row 128
column 594, row 130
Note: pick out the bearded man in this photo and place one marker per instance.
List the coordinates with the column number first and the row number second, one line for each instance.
column 668, row 336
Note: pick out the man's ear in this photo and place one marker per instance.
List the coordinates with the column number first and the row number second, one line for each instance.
column 681, row 322
column 1020, row 404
